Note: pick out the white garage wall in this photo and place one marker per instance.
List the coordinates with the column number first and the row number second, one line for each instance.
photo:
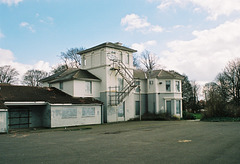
column 3, row 121
column 74, row 115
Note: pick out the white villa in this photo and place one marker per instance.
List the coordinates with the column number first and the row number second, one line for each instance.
column 107, row 74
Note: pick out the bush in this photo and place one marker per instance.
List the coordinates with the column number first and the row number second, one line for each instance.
column 157, row 117
column 188, row 116
column 222, row 110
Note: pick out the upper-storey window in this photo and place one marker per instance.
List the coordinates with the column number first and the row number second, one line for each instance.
column 88, row 87
column 61, row 85
column 168, row 85
column 178, row 86
column 121, row 56
column 120, row 83
column 137, row 83
column 127, row 59
column 84, row 62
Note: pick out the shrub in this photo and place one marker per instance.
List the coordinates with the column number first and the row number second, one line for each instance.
column 188, row 116
column 152, row 116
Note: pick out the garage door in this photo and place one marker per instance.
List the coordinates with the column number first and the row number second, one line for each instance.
column 19, row 118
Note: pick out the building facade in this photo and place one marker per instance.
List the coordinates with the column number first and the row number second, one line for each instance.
column 107, row 74
column 32, row 107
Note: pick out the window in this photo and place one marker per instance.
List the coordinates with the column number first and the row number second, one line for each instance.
column 120, row 84
column 84, row 60
column 61, row 85
column 127, row 59
column 137, row 83
column 88, row 87
column 177, row 86
column 121, row 110
column 178, row 107
column 169, row 107
column 88, row 112
column 168, row 85
column 137, row 108
column 121, row 56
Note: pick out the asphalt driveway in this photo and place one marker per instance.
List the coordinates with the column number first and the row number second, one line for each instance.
column 128, row 142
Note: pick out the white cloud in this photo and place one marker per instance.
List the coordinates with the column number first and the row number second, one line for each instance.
column 10, row 2
column 140, row 47
column 214, row 8
column 47, row 20
column 7, row 58
column 135, row 22
column 207, row 54
column 27, row 25
column 164, row 5
column 1, row 35
column 217, row 8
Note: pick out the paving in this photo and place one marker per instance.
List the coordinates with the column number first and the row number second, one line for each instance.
column 126, row 142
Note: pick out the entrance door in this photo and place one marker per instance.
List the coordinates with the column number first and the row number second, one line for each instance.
column 169, row 107
column 19, row 118
column 121, row 112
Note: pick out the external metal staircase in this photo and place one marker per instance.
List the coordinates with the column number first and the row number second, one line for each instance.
column 116, row 96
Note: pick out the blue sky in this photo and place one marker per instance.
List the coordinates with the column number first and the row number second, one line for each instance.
column 195, row 37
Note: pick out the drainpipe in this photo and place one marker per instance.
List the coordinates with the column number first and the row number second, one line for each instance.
column 140, row 110
column 102, row 114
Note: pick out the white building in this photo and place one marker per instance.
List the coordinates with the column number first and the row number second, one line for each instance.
column 32, row 107
column 107, row 74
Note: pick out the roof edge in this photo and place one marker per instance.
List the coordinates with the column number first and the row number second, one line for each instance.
column 109, row 45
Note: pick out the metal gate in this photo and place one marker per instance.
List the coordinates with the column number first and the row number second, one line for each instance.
column 19, row 118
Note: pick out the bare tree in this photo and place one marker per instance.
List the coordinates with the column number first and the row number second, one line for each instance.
column 229, row 81
column 209, row 88
column 8, row 74
column 149, row 61
column 136, row 61
column 32, row 77
column 71, row 58
column 59, row 68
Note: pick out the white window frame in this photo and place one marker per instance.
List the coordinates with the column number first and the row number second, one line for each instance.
column 88, row 87
column 127, row 58
column 177, row 84
column 168, row 82
column 178, row 110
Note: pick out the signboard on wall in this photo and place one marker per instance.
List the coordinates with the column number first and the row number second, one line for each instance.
column 88, row 112
column 69, row 113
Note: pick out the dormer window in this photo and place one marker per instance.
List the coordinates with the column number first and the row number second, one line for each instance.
column 84, row 62
column 61, row 85
column 88, row 87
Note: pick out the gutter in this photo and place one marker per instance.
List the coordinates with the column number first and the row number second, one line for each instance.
column 26, row 103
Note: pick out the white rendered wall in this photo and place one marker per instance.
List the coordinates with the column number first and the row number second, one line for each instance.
column 80, row 86
column 3, row 121
column 59, row 120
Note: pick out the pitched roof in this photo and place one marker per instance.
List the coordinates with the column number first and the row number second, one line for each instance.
column 109, row 45
column 163, row 74
column 2, row 106
column 12, row 93
column 71, row 74
column 139, row 74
